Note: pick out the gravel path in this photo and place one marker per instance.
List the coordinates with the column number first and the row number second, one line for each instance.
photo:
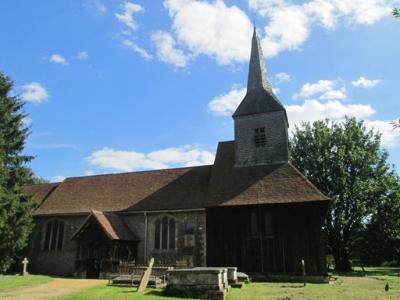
column 55, row 289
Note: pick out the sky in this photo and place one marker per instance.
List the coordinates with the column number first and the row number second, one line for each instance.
column 119, row 86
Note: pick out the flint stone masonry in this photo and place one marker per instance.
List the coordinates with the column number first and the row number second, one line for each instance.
column 208, row 283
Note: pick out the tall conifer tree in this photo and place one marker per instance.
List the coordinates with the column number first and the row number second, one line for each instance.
column 15, row 207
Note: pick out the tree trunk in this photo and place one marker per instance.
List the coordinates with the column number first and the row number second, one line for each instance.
column 342, row 261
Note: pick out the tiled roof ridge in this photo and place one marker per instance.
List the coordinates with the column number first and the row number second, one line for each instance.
column 135, row 172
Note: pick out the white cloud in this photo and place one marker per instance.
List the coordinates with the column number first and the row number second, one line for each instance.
column 390, row 137
column 365, row 83
column 97, row 6
column 34, row 92
column 288, row 29
column 291, row 24
column 282, row 77
column 223, row 31
column 167, row 51
column 27, row 121
column 58, row 59
column 213, row 29
column 126, row 17
column 131, row 160
column 89, row 173
column 58, row 178
column 327, row 90
column 226, row 104
column 312, row 110
column 136, row 48
column 83, row 55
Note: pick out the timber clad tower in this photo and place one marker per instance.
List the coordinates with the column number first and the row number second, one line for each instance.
column 261, row 125
column 251, row 208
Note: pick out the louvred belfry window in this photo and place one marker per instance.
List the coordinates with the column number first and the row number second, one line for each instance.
column 260, row 139
column 164, row 235
column 54, row 235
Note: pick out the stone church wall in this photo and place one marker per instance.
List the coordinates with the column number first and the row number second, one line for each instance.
column 190, row 237
column 55, row 262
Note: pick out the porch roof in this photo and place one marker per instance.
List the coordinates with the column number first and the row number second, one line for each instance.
column 113, row 226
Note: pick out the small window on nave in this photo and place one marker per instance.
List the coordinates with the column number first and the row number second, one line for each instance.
column 260, row 139
column 54, row 236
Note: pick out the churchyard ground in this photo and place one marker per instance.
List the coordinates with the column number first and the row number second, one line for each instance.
column 347, row 286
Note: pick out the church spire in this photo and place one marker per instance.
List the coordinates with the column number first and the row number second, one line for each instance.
column 259, row 98
column 258, row 76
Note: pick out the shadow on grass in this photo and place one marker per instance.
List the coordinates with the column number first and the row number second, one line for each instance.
column 370, row 271
column 292, row 286
column 158, row 293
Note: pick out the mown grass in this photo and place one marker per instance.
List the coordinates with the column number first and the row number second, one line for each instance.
column 355, row 285
column 16, row 281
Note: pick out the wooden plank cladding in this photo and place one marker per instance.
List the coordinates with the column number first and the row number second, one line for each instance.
column 267, row 239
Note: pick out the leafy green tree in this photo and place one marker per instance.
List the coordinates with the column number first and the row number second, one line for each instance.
column 15, row 207
column 396, row 12
column 345, row 161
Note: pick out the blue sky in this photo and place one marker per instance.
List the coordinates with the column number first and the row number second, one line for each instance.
column 116, row 86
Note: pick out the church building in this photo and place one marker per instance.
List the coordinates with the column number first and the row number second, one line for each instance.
column 251, row 209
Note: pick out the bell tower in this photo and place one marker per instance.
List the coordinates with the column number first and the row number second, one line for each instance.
column 261, row 125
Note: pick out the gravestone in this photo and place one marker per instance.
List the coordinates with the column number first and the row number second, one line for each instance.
column 145, row 278
column 25, row 263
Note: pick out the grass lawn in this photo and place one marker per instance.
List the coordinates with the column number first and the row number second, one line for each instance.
column 354, row 285
column 15, row 281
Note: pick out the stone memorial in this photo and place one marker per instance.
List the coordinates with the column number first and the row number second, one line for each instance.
column 204, row 283
column 25, row 265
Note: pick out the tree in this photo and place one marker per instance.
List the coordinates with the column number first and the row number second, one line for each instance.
column 396, row 12
column 345, row 161
column 15, row 206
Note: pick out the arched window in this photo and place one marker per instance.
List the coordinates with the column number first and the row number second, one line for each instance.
column 54, row 236
column 164, row 235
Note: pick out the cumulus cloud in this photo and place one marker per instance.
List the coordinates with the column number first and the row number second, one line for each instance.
column 223, row 31
column 167, row 50
column 226, row 104
column 121, row 160
column 126, row 17
column 97, row 6
column 326, row 89
column 365, row 83
column 214, row 29
column 58, row 59
column 390, row 137
column 83, row 55
column 27, row 121
column 313, row 110
column 291, row 23
column 282, row 77
column 58, row 178
column 34, row 92
column 130, row 44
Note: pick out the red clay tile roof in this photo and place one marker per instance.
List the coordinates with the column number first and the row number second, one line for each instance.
column 272, row 184
column 113, row 226
column 39, row 192
column 184, row 188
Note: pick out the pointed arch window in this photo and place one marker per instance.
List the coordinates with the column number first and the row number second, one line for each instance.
column 54, row 236
column 164, row 235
